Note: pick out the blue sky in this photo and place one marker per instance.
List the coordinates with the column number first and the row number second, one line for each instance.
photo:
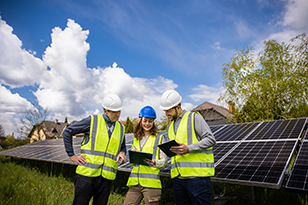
column 67, row 55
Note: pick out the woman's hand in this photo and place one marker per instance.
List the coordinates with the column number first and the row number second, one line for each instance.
column 151, row 163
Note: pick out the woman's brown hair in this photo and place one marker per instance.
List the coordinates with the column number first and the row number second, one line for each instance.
column 139, row 133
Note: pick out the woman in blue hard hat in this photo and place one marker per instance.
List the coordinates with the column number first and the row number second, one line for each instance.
column 144, row 181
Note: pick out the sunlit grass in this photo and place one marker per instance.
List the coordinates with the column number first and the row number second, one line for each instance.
column 22, row 185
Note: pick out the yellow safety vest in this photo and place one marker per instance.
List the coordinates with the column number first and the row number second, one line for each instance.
column 100, row 151
column 145, row 175
column 200, row 164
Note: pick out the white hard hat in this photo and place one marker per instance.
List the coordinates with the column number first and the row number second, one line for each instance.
column 112, row 102
column 170, row 99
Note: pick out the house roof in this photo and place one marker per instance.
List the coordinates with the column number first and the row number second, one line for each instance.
column 50, row 128
column 210, row 106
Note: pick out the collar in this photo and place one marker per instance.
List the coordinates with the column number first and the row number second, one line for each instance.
column 181, row 115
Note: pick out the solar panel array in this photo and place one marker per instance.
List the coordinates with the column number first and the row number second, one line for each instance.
column 256, row 154
column 298, row 179
column 253, row 154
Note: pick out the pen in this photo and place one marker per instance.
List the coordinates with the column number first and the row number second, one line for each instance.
column 134, row 147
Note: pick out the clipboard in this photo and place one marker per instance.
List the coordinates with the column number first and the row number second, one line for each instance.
column 165, row 147
column 136, row 157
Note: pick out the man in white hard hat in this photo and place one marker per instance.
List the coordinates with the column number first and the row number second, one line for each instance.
column 102, row 148
column 193, row 165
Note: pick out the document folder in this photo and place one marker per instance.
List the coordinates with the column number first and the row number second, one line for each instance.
column 166, row 147
column 136, row 157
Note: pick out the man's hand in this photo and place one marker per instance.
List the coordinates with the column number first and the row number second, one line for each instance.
column 79, row 159
column 180, row 150
column 121, row 156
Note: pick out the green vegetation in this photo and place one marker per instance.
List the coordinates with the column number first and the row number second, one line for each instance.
column 9, row 142
column 129, row 126
column 272, row 86
column 24, row 185
column 21, row 185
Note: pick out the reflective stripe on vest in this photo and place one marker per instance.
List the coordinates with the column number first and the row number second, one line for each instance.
column 197, row 164
column 144, row 175
column 100, row 151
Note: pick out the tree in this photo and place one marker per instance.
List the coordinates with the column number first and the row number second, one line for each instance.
column 129, row 127
column 31, row 117
column 270, row 87
column 163, row 123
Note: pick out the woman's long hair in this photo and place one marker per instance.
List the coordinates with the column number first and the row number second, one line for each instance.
column 139, row 133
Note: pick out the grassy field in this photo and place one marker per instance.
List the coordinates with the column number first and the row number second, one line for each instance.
column 21, row 185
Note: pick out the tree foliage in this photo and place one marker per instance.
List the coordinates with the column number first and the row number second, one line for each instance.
column 129, row 126
column 271, row 86
column 163, row 123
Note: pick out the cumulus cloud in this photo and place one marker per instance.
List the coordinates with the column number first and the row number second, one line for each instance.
column 68, row 81
column 10, row 104
column 293, row 23
column 18, row 67
column 68, row 88
column 296, row 15
column 206, row 93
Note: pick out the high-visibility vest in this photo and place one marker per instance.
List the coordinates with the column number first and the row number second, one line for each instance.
column 100, row 151
column 144, row 175
column 199, row 164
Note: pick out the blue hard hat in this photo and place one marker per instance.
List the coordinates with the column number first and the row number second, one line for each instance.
column 147, row 111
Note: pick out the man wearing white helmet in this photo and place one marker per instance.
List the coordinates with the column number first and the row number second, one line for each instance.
column 193, row 165
column 102, row 148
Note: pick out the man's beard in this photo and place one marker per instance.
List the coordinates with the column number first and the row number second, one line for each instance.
column 173, row 117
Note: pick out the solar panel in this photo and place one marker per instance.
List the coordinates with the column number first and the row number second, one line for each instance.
column 234, row 132
column 215, row 128
column 280, row 129
column 47, row 150
column 256, row 163
column 298, row 179
column 220, row 149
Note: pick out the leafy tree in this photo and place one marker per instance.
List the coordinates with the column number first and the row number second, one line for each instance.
column 272, row 86
column 163, row 123
column 31, row 117
column 129, row 127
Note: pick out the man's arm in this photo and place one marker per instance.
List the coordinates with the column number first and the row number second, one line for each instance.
column 82, row 126
column 203, row 134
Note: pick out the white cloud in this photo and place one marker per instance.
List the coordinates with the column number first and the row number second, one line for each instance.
column 24, row 69
column 296, row 15
column 10, row 105
column 294, row 22
column 70, row 89
column 206, row 93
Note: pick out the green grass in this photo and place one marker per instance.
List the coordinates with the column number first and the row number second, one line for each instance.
column 22, row 185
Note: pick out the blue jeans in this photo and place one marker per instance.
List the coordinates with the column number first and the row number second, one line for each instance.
column 192, row 191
